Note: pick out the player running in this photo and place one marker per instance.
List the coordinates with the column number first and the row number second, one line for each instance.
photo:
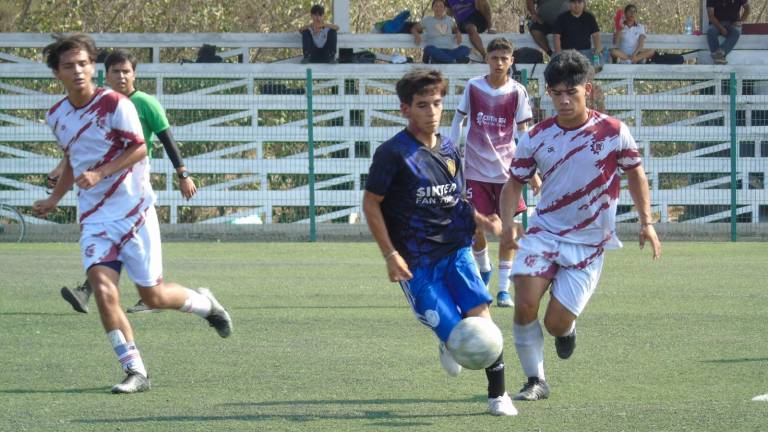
column 105, row 156
column 498, row 110
column 121, row 77
column 415, row 210
column 581, row 155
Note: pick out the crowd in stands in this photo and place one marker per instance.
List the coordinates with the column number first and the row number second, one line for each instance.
column 568, row 22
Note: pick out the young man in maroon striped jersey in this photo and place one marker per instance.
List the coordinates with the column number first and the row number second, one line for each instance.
column 106, row 157
column 580, row 155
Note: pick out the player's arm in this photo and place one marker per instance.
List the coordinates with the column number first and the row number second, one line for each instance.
column 397, row 268
column 641, row 197
column 53, row 176
column 63, row 185
column 135, row 152
column 510, row 197
column 456, row 125
column 186, row 184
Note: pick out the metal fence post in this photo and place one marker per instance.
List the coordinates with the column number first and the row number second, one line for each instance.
column 734, row 155
column 311, row 155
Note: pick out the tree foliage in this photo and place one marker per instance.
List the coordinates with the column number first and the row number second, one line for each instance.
column 169, row 16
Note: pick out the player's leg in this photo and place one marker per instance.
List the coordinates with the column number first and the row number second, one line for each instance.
column 104, row 280
column 529, row 338
column 481, row 197
column 572, row 288
column 98, row 246
column 142, row 256
column 433, row 306
column 506, row 253
column 471, row 296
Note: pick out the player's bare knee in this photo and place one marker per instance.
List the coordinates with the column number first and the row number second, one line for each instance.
column 557, row 324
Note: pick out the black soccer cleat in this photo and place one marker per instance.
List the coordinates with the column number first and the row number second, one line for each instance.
column 535, row 389
column 564, row 345
column 77, row 297
column 218, row 318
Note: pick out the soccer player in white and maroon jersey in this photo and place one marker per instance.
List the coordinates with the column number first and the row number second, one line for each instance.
column 580, row 155
column 498, row 109
column 106, row 157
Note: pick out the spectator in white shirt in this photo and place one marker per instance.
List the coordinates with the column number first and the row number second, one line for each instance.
column 629, row 41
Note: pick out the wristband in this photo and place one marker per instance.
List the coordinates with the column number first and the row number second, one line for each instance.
column 390, row 255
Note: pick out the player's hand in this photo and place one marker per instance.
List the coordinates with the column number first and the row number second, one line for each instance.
column 188, row 188
column 723, row 31
column 508, row 239
column 648, row 232
column 43, row 207
column 397, row 269
column 490, row 223
column 88, row 179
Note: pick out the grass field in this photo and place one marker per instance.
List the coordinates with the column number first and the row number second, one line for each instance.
column 323, row 342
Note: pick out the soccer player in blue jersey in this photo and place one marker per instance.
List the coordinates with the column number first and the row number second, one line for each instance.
column 416, row 210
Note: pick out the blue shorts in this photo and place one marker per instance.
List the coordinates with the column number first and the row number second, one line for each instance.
column 442, row 293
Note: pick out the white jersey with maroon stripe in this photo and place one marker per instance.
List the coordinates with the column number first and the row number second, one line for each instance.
column 493, row 115
column 94, row 135
column 580, row 171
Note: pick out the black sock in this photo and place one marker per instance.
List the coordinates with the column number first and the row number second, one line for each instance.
column 495, row 375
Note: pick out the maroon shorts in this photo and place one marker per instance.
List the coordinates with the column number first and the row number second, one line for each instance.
column 486, row 197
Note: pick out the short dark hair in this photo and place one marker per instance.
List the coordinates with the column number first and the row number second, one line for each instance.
column 500, row 44
column 120, row 56
column 63, row 43
column 569, row 67
column 317, row 10
column 628, row 7
column 441, row 1
column 420, row 82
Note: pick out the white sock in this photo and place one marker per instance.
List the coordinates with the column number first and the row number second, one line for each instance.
column 505, row 272
column 197, row 304
column 529, row 343
column 127, row 353
column 482, row 260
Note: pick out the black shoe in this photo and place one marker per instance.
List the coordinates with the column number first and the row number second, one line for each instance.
column 134, row 382
column 535, row 389
column 564, row 345
column 77, row 297
column 218, row 318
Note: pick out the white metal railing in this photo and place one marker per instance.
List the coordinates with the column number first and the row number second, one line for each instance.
column 367, row 115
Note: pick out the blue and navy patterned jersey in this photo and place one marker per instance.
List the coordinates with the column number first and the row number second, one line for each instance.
column 424, row 207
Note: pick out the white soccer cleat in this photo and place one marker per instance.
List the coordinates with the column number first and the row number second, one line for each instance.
column 761, row 398
column 447, row 362
column 502, row 406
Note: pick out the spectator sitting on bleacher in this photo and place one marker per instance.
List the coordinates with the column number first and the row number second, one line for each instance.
column 318, row 38
column 725, row 19
column 473, row 17
column 629, row 41
column 577, row 29
column 441, row 36
column 544, row 15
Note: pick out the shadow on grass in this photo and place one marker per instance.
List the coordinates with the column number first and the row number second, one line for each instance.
column 381, row 417
column 104, row 390
column 737, row 360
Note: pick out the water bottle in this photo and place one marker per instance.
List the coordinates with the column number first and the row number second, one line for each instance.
column 596, row 62
column 688, row 29
column 522, row 24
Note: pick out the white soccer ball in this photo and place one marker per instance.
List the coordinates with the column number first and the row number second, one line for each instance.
column 475, row 343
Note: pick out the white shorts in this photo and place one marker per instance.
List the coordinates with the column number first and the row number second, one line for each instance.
column 574, row 269
column 134, row 241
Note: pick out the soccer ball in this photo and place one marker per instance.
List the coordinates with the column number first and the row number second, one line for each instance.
column 475, row 343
